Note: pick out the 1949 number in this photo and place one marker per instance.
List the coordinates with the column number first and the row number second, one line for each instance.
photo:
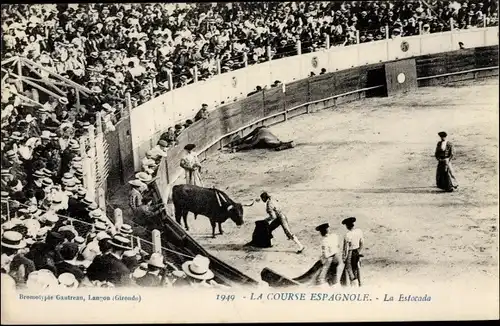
column 226, row 297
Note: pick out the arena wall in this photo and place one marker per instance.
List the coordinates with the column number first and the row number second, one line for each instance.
column 151, row 119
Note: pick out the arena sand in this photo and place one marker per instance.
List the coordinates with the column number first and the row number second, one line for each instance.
column 374, row 159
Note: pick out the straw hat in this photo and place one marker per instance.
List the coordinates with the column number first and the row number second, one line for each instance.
column 101, row 235
column 140, row 271
column 96, row 214
column 100, row 226
column 63, row 100
column 136, row 183
column 143, row 177
column 13, row 240
column 38, row 174
column 125, row 229
column 156, row 260
column 198, row 268
column 46, row 182
column 68, row 280
column 49, row 217
column 120, row 242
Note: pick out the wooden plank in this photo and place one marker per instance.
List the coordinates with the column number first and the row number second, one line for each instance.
column 297, row 93
column 252, row 108
column 72, row 83
column 274, row 101
column 321, row 86
column 231, row 117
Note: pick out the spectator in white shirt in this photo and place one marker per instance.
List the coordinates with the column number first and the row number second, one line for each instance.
column 329, row 256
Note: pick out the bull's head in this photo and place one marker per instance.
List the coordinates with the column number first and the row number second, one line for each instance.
column 235, row 210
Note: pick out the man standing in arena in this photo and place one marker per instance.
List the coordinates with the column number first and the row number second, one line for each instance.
column 353, row 244
column 277, row 218
column 329, row 255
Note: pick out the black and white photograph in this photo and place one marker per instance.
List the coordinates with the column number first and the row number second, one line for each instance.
column 240, row 161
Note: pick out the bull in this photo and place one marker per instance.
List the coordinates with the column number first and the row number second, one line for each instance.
column 210, row 202
column 260, row 137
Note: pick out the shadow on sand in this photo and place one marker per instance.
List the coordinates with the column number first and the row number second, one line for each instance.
column 401, row 190
column 241, row 247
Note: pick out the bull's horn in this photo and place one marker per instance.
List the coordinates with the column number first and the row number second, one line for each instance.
column 229, row 207
column 250, row 204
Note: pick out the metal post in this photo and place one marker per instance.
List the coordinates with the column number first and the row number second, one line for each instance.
column 77, row 99
column 245, row 59
column 101, row 199
column 484, row 22
column 20, row 73
column 218, row 67
column 156, row 241
column 357, row 36
column 419, row 28
column 151, row 87
column 299, row 47
column 451, row 24
column 268, row 50
column 327, row 41
column 128, row 100
column 98, row 122
column 170, row 81
column 118, row 218
column 195, row 73
column 387, row 32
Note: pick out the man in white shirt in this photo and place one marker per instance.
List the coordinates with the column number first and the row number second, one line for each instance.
column 329, row 256
column 353, row 243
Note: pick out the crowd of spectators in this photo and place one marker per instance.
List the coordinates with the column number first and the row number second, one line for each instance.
column 115, row 49
column 120, row 48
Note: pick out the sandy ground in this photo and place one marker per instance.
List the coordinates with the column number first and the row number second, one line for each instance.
column 373, row 159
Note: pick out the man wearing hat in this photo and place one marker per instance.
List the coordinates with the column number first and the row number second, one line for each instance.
column 11, row 258
column 69, row 252
column 191, row 166
column 445, row 152
column 44, row 253
column 329, row 255
column 109, row 267
column 277, row 217
column 203, row 113
column 198, row 271
column 353, row 244
column 135, row 196
column 160, row 150
column 152, row 277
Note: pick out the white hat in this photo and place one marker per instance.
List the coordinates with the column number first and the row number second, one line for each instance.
column 29, row 118
column 68, row 280
column 120, row 242
column 126, row 229
column 41, row 279
column 198, row 268
column 13, row 240
column 156, row 260
column 143, row 177
column 136, row 183
column 140, row 271
column 102, row 235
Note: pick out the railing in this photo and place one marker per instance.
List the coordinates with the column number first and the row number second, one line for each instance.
column 150, row 119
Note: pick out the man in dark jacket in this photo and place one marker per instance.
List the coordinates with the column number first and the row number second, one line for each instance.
column 152, row 277
column 69, row 251
column 110, row 267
